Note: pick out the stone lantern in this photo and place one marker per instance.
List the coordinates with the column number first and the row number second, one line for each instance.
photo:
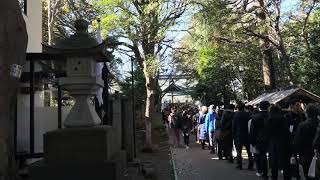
column 81, row 52
column 82, row 150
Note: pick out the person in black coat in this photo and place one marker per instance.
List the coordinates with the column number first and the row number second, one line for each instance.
column 303, row 140
column 279, row 139
column 218, row 134
column 316, row 140
column 186, row 118
column 241, row 134
column 226, row 130
column 258, row 138
column 294, row 117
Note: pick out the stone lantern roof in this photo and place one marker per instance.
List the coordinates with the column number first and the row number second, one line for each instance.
column 79, row 44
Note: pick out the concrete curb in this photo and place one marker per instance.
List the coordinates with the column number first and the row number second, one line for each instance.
column 173, row 165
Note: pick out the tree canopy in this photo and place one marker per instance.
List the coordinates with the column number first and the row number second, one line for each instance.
column 230, row 43
column 235, row 49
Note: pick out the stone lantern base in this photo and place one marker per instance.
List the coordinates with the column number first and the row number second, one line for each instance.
column 83, row 113
column 81, row 154
column 95, row 171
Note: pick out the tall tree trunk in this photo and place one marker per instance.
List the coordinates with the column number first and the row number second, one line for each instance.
column 53, row 8
column 13, row 45
column 266, row 50
column 267, row 65
column 50, row 22
column 150, row 108
column 285, row 60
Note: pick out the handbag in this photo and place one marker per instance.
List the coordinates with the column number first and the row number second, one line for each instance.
column 313, row 165
column 218, row 134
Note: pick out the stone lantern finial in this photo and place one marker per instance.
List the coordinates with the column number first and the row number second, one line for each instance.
column 81, row 26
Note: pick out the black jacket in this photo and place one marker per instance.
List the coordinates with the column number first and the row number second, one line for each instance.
column 226, row 128
column 240, row 128
column 294, row 119
column 186, row 121
column 303, row 140
column 316, row 140
column 279, row 140
column 258, row 132
column 226, row 123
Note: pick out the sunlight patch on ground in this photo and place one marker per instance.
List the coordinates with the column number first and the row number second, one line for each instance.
column 215, row 158
column 234, row 154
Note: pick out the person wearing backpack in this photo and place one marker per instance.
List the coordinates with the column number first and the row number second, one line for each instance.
column 258, row 138
column 304, row 137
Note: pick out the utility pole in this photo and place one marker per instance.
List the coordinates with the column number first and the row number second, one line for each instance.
column 133, row 110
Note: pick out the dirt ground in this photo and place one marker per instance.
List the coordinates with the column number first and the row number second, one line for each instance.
column 161, row 157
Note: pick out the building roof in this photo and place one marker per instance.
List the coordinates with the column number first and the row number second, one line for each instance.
column 289, row 94
column 173, row 88
column 79, row 44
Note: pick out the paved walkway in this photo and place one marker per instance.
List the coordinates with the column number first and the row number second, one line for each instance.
column 198, row 164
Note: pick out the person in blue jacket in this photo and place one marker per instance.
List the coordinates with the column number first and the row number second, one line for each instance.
column 210, row 126
column 202, row 126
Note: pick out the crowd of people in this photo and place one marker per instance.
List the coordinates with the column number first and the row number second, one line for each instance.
column 276, row 138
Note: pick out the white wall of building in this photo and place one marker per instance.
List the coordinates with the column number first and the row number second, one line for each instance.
column 45, row 119
column 23, row 100
column 177, row 98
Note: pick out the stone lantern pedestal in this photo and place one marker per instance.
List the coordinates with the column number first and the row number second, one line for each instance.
column 82, row 89
column 84, row 150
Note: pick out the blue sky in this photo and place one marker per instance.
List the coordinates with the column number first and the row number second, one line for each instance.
column 289, row 5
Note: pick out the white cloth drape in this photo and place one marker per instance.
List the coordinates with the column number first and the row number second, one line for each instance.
column 99, row 67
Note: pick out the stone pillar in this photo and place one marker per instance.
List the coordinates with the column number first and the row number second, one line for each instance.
column 33, row 20
column 128, row 130
column 116, row 123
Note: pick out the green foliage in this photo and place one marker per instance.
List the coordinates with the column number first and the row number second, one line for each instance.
column 139, row 89
column 142, row 30
column 216, row 50
column 221, row 40
column 141, row 25
column 66, row 14
column 305, row 51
